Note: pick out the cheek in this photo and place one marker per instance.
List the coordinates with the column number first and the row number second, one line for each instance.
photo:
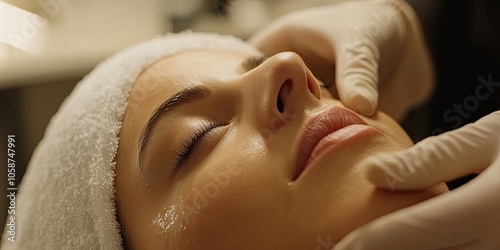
column 391, row 129
column 331, row 209
column 231, row 202
column 363, row 203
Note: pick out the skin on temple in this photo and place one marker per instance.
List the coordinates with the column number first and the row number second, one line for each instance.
column 236, row 190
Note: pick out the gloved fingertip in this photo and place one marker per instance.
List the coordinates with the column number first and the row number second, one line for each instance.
column 378, row 171
column 362, row 105
column 378, row 177
column 360, row 96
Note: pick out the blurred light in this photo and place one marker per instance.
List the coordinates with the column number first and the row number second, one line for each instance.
column 4, row 51
column 243, row 11
column 21, row 29
column 28, row 5
column 185, row 8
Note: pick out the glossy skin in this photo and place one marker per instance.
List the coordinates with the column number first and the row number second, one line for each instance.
column 237, row 191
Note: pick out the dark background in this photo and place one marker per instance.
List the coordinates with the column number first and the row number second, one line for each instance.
column 464, row 39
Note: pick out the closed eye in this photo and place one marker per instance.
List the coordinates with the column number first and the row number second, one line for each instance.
column 192, row 141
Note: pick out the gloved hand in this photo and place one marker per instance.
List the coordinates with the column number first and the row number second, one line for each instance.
column 465, row 218
column 364, row 48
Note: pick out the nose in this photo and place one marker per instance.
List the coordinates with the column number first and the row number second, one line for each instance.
column 281, row 88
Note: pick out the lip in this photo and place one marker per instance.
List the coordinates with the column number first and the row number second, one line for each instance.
column 319, row 136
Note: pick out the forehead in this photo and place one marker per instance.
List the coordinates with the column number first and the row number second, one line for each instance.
column 175, row 72
column 191, row 67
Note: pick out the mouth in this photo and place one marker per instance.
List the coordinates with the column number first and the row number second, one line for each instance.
column 324, row 132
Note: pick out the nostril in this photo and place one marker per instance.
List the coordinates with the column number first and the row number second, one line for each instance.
column 285, row 90
column 309, row 87
column 280, row 105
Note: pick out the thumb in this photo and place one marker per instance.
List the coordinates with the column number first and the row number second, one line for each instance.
column 357, row 74
column 437, row 159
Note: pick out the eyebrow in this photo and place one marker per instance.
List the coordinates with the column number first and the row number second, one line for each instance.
column 182, row 98
column 253, row 62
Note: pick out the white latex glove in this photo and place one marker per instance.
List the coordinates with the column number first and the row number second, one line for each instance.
column 467, row 217
column 363, row 48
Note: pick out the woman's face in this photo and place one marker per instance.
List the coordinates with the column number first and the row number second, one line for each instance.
column 235, row 160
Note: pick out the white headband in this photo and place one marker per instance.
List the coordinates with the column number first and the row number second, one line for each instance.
column 66, row 198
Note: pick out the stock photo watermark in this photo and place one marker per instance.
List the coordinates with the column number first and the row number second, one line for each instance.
column 11, row 188
column 361, row 48
column 20, row 27
column 199, row 198
column 454, row 115
column 324, row 243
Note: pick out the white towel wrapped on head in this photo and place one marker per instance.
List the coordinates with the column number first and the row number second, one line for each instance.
column 66, row 198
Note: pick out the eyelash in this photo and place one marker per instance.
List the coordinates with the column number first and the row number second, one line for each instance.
column 190, row 143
